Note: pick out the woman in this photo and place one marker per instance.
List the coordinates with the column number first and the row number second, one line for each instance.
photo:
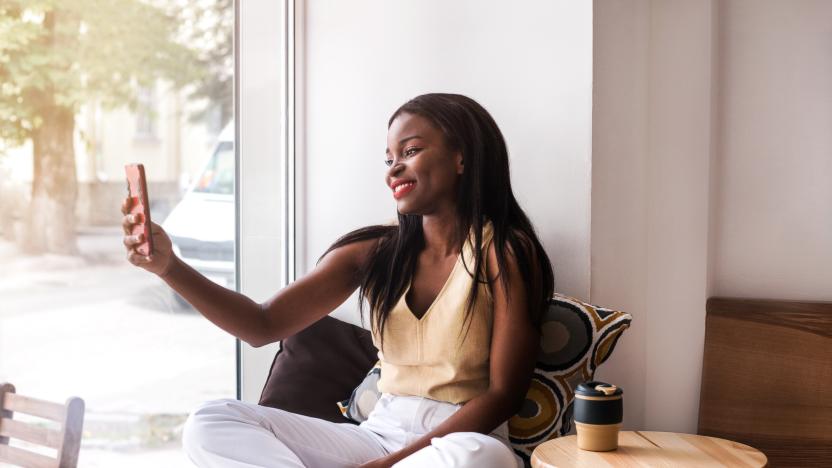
column 457, row 350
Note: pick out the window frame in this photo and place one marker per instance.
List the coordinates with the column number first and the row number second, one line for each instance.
column 264, row 91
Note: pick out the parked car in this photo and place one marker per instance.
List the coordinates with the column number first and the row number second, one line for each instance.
column 201, row 226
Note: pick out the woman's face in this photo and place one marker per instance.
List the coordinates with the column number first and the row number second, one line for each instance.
column 423, row 168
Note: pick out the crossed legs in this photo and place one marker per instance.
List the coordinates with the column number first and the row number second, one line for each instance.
column 235, row 434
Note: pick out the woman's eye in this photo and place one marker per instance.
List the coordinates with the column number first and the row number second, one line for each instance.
column 408, row 152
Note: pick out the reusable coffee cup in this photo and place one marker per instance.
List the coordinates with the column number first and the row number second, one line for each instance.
column 599, row 409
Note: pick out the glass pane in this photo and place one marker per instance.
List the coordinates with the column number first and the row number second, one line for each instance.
column 86, row 88
column 218, row 176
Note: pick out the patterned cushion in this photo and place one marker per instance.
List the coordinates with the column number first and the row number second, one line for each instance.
column 576, row 338
column 363, row 399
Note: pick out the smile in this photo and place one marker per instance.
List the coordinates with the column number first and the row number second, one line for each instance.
column 402, row 189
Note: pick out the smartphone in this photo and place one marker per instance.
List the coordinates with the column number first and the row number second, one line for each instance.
column 137, row 191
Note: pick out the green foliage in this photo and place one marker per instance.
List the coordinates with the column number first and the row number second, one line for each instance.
column 65, row 53
column 208, row 27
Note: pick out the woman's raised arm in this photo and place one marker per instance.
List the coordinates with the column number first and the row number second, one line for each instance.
column 318, row 293
column 292, row 309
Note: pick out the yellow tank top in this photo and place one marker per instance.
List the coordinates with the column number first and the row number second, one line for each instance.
column 433, row 357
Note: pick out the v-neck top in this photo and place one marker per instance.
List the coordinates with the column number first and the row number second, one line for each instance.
column 433, row 356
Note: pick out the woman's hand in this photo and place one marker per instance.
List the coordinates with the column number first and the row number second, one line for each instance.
column 382, row 462
column 160, row 260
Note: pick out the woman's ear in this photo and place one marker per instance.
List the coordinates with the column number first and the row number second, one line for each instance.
column 460, row 163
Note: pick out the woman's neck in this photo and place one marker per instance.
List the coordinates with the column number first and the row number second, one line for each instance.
column 442, row 238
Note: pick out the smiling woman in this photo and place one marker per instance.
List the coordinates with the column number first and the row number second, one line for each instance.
column 456, row 291
column 420, row 147
column 450, row 153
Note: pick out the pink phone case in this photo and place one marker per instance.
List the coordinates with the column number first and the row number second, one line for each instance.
column 137, row 191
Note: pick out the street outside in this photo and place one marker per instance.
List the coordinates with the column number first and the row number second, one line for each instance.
column 97, row 327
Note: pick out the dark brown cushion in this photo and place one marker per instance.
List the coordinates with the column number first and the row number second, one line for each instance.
column 318, row 367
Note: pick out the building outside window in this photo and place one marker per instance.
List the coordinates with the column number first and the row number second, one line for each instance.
column 146, row 113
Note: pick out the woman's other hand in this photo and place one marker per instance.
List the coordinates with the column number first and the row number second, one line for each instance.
column 160, row 260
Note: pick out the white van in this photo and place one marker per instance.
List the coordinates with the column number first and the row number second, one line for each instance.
column 201, row 226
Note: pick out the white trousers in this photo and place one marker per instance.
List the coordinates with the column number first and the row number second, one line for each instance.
column 235, row 434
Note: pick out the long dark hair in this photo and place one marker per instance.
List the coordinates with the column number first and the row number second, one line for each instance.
column 483, row 194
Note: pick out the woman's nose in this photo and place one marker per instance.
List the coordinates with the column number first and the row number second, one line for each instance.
column 395, row 168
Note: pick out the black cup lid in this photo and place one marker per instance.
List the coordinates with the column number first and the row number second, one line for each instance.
column 598, row 389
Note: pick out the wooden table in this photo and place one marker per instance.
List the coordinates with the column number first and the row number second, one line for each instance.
column 642, row 448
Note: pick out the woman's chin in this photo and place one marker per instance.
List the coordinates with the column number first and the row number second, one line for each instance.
column 405, row 209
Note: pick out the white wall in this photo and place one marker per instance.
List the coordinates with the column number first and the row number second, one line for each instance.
column 650, row 199
column 711, row 168
column 772, row 222
column 619, row 194
column 530, row 66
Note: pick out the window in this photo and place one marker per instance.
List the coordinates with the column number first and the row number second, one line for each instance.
column 76, row 319
column 218, row 176
column 146, row 114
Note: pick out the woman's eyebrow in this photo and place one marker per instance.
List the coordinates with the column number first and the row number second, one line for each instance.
column 387, row 150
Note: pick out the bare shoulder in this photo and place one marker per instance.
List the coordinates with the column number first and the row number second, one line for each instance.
column 351, row 255
column 509, row 256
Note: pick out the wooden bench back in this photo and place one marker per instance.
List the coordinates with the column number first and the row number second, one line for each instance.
column 767, row 378
column 66, row 441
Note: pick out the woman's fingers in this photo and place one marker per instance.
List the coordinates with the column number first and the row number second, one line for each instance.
column 137, row 259
column 129, row 220
column 125, row 208
column 130, row 241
